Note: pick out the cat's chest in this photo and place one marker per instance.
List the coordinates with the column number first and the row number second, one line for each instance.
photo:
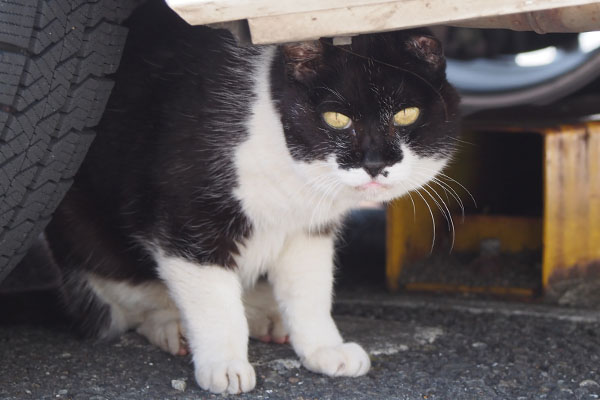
column 259, row 252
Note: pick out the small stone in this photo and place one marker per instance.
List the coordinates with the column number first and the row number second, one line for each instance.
column 293, row 380
column 65, row 355
column 62, row 392
column 178, row 384
column 490, row 247
column 479, row 345
column 588, row 383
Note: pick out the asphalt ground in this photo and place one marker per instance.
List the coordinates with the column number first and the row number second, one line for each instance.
column 422, row 347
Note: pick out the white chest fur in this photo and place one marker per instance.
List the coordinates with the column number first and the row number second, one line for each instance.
column 280, row 196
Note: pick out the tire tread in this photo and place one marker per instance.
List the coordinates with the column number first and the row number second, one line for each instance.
column 54, row 59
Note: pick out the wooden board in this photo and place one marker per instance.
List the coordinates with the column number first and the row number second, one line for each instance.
column 291, row 20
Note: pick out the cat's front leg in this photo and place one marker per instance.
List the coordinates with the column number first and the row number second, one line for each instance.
column 209, row 298
column 303, row 282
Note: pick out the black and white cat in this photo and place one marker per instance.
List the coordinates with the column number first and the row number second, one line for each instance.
column 216, row 164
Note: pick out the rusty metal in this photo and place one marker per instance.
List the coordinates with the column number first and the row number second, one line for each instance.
column 571, row 200
column 570, row 235
column 568, row 19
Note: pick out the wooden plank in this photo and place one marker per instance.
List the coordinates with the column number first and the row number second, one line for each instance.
column 572, row 201
column 356, row 19
column 290, row 20
column 198, row 12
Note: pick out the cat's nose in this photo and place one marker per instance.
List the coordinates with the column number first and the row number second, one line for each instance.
column 373, row 164
column 374, row 169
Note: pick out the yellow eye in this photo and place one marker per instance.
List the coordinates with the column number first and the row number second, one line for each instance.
column 336, row 120
column 406, row 116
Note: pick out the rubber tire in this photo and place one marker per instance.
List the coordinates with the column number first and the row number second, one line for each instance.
column 54, row 59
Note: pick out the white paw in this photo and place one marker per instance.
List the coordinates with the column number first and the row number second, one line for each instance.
column 346, row 359
column 163, row 329
column 267, row 327
column 234, row 376
column 262, row 313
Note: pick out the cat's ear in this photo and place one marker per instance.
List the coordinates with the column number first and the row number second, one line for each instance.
column 428, row 49
column 303, row 59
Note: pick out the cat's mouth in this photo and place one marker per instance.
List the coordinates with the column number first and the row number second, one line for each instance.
column 372, row 185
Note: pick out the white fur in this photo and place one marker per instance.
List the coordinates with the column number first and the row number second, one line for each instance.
column 210, row 300
column 262, row 311
column 146, row 306
column 409, row 174
column 302, row 281
column 271, row 184
column 286, row 201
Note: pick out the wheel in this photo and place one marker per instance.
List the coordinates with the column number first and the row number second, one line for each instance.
column 528, row 71
column 55, row 56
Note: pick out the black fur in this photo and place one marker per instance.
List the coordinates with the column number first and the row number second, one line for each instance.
column 160, row 172
column 368, row 81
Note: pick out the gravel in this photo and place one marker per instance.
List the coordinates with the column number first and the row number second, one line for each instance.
column 421, row 348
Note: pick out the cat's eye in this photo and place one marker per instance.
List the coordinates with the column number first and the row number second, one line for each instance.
column 406, row 116
column 337, row 120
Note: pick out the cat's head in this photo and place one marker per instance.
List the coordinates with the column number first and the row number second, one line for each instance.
column 376, row 118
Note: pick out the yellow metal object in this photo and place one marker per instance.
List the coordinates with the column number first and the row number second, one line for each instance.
column 569, row 230
column 407, row 239
column 514, row 233
column 443, row 287
column 571, row 200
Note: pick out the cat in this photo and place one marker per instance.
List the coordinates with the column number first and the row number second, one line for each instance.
column 206, row 209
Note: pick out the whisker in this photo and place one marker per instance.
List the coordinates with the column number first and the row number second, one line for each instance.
column 462, row 141
column 412, row 202
column 437, row 203
column 442, row 175
column 459, row 184
column 449, row 219
column 432, row 220
column 449, row 189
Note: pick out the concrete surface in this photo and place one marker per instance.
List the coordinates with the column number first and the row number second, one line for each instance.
column 421, row 348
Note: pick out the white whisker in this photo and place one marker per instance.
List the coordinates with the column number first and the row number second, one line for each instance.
column 449, row 219
column 432, row 220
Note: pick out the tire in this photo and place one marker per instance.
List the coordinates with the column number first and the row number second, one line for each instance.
column 54, row 59
column 541, row 93
column 560, row 65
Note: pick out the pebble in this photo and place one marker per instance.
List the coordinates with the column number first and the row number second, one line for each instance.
column 479, row 345
column 178, row 384
column 588, row 382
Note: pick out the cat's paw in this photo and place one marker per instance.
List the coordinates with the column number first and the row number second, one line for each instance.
column 166, row 332
column 234, row 376
column 346, row 359
column 267, row 327
column 262, row 313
